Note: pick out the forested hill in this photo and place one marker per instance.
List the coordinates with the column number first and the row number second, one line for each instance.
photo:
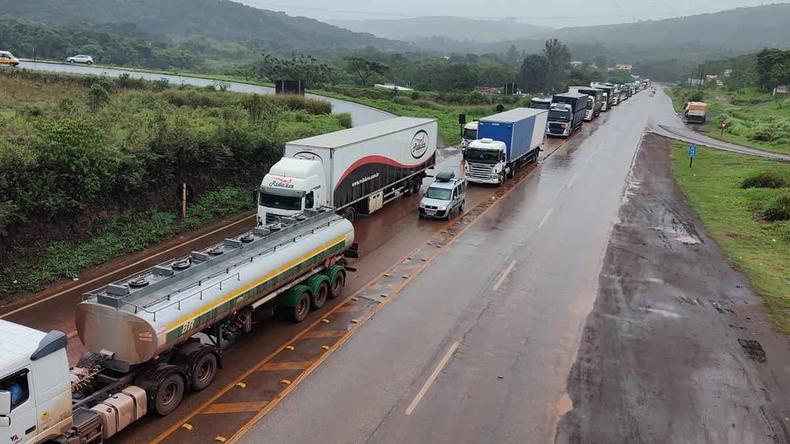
column 219, row 20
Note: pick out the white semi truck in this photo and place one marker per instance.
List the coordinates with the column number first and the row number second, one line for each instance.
column 354, row 171
column 469, row 134
column 160, row 333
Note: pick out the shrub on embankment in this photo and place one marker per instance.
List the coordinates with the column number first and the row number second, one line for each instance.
column 78, row 152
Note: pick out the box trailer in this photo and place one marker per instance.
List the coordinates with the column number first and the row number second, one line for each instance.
column 505, row 140
column 354, row 171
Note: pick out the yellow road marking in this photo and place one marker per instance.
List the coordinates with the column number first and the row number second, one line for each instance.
column 234, row 407
column 278, row 366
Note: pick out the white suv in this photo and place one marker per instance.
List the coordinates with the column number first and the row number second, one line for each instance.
column 444, row 197
column 86, row 59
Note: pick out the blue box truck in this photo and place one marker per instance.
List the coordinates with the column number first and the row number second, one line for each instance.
column 505, row 141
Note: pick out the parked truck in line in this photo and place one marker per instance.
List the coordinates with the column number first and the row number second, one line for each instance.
column 468, row 134
column 594, row 102
column 160, row 333
column 608, row 90
column 564, row 121
column 540, row 103
column 507, row 140
column 354, row 171
column 695, row 112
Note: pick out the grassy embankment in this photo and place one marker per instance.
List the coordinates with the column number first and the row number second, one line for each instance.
column 744, row 203
column 88, row 166
column 755, row 118
column 443, row 107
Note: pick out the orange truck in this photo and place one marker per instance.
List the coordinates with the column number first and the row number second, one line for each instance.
column 695, row 112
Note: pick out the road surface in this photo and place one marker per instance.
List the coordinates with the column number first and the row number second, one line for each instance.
column 360, row 114
column 665, row 122
column 479, row 346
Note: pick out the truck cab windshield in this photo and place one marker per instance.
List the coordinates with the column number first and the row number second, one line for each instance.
column 291, row 203
column 470, row 134
column 438, row 193
column 484, row 156
column 557, row 115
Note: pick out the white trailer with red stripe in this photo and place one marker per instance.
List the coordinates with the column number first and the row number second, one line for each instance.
column 357, row 170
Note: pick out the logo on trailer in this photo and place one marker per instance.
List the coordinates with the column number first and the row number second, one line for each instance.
column 282, row 182
column 307, row 155
column 419, row 144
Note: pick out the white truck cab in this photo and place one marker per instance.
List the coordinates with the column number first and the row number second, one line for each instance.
column 35, row 387
column 486, row 158
column 469, row 134
column 291, row 186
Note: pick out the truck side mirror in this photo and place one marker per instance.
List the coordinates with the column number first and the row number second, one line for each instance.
column 5, row 403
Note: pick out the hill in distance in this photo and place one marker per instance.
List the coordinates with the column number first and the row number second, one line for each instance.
column 453, row 28
column 219, row 20
column 720, row 34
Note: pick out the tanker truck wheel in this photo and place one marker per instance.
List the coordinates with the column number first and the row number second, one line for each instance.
column 296, row 305
column 319, row 285
column 337, row 280
column 205, row 370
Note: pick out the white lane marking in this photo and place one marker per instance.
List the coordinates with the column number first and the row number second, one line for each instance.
column 504, row 275
column 545, row 218
column 432, row 378
column 88, row 282
column 570, row 184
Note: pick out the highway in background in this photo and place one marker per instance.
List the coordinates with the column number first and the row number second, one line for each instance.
column 360, row 114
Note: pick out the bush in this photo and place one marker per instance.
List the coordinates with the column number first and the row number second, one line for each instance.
column 344, row 120
column 778, row 209
column 765, row 179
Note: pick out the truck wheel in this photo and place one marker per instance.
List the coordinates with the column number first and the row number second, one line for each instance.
column 350, row 214
column 337, row 280
column 320, row 294
column 169, row 394
column 204, row 371
column 301, row 308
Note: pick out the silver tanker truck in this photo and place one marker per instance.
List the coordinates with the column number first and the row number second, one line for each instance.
column 160, row 333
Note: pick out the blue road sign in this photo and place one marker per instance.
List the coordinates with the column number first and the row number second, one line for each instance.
column 692, row 150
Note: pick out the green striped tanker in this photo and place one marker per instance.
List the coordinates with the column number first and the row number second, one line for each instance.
column 157, row 334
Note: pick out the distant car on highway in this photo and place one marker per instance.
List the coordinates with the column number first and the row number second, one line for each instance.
column 6, row 58
column 86, row 59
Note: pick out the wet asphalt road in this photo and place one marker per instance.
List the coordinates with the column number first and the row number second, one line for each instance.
column 360, row 114
column 478, row 347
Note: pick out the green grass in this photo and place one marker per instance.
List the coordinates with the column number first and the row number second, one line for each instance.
column 446, row 115
column 734, row 217
column 35, row 266
column 755, row 118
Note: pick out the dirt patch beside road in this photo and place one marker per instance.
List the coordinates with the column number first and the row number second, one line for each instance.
column 677, row 347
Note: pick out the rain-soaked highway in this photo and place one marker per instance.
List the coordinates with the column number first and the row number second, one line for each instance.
column 478, row 347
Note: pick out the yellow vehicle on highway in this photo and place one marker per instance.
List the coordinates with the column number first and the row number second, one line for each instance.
column 6, row 58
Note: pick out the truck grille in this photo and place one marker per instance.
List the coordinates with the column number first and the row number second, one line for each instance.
column 480, row 170
column 555, row 128
column 272, row 218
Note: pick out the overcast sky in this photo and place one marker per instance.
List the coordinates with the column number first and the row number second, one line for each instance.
column 556, row 13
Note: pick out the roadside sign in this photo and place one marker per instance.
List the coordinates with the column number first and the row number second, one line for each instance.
column 692, row 153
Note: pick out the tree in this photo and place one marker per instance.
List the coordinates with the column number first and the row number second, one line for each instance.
column 601, row 62
column 364, row 69
column 512, row 55
column 773, row 67
column 533, row 73
column 559, row 60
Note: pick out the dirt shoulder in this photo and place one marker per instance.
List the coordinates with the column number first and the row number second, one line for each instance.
column 677, row 347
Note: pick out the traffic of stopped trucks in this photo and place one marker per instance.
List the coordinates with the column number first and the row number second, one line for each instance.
column 159, row 334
